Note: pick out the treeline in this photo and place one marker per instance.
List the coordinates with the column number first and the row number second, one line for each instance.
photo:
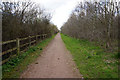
column 95, row 21
column 22, row 19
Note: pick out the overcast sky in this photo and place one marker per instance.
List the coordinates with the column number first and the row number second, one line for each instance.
column 60, row 9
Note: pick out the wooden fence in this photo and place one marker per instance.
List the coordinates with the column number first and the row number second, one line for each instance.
column 18, row 46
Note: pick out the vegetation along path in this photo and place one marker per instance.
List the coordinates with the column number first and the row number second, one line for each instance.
column 54, row 62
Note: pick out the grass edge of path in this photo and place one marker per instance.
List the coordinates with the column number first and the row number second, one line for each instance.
column 91, row 60
column 16, row 65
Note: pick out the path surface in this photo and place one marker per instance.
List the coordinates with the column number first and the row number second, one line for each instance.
column 54, row 62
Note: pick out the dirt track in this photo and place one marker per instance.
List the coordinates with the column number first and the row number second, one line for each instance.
column 54, row 62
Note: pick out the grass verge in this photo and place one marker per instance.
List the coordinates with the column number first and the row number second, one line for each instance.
column 16, row 65
column 91, row 60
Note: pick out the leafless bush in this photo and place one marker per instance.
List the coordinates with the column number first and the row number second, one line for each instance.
column 21, row 19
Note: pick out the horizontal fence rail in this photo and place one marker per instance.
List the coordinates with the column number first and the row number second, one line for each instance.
column 18, row 45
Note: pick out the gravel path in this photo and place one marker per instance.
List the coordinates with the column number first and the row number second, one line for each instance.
column 54, row 62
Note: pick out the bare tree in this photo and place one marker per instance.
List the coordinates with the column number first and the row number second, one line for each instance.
column 96, row 21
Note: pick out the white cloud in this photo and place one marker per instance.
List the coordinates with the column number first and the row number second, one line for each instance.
column 62, row 13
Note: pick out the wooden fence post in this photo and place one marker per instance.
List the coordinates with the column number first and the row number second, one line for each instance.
column 36, row 38
column 43, row 36
column 18, row 45
column 46, row 36
column 29, row 41
column 40, row 37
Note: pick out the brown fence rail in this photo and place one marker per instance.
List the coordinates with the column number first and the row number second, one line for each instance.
column 18, row 46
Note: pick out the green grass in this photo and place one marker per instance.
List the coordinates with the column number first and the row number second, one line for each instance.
column 91, row 60
column 16, row 65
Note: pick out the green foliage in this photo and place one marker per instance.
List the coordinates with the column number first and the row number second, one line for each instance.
column 17, row 64
column 118, row 55
column 92, row 61
column 40, row 48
